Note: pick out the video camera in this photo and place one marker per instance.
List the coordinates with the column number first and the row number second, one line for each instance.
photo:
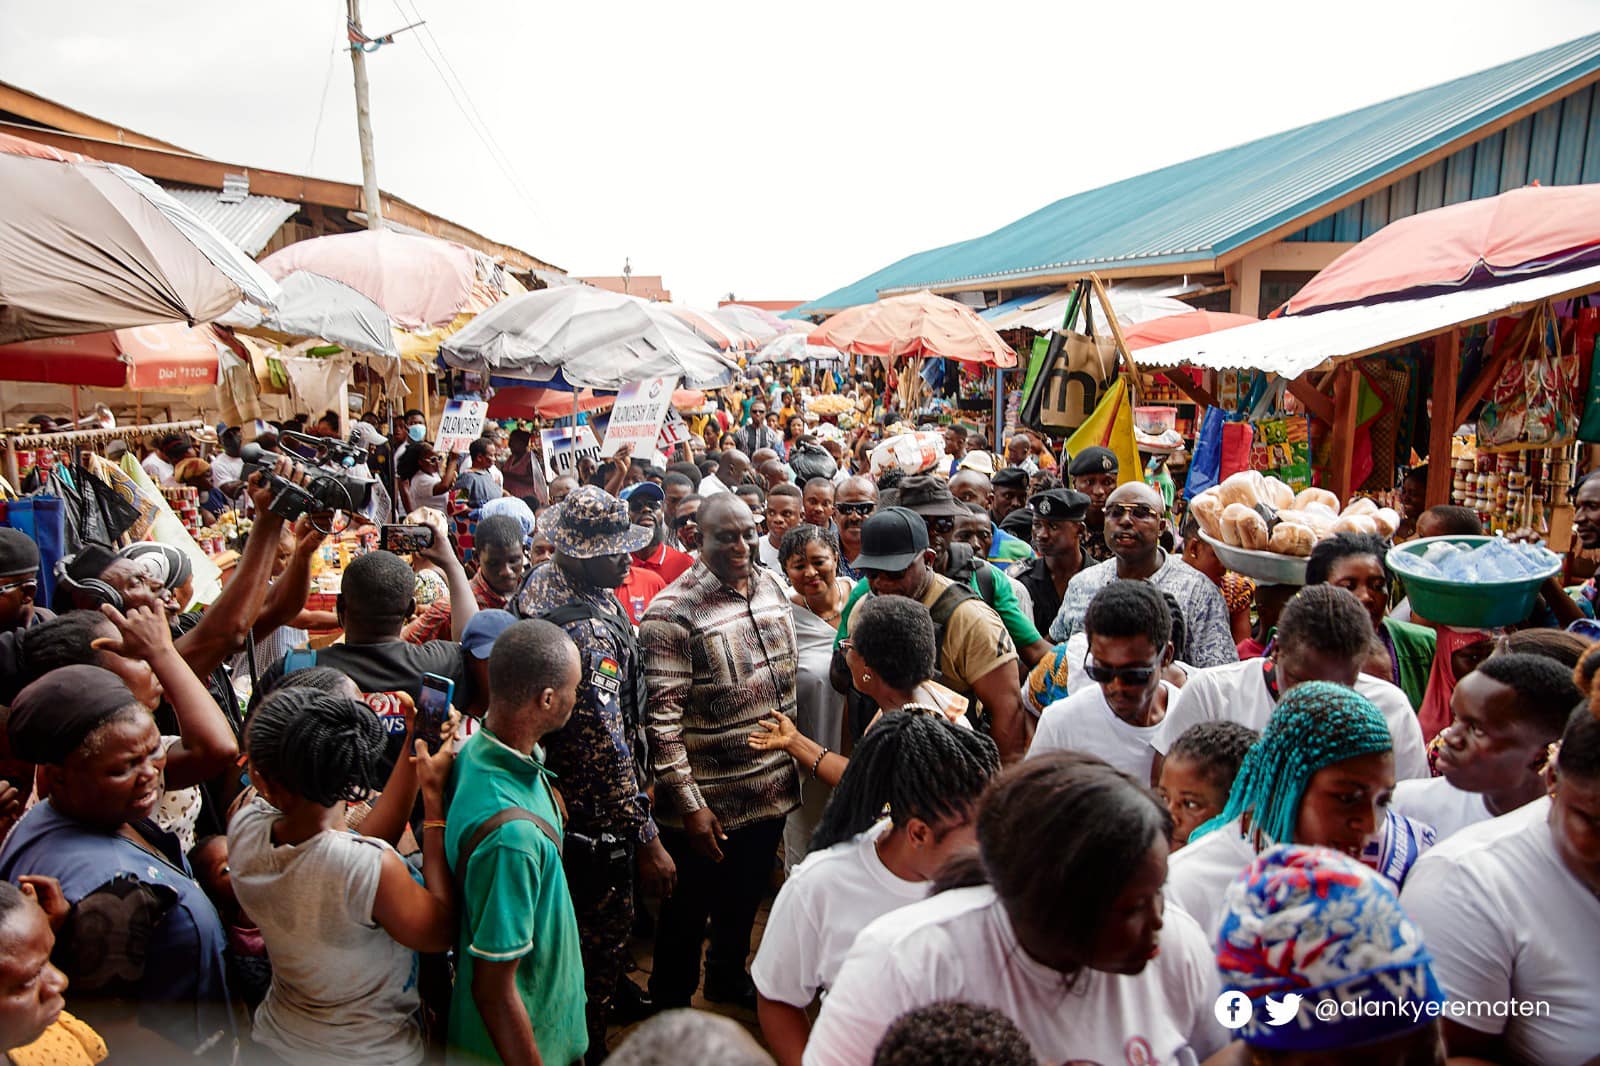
column 329, row 485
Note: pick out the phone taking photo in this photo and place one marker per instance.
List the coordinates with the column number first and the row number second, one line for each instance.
column 405, row 540
column 433, row 708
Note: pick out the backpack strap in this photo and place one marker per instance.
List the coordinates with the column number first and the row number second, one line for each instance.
column 495, row 821
column 985, row 575
column 945, row 606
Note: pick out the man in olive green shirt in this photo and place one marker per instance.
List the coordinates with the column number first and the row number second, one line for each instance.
column 519, row 994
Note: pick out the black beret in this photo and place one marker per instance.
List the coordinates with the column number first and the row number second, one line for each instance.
column 1012, row 477
column 1060, row 505
column 1096, row 460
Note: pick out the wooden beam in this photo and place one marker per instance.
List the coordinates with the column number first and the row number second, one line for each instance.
column 1196, row 392
column 35, row 108
column 1342, row 455
column 1442, row 419
column 1316, row 401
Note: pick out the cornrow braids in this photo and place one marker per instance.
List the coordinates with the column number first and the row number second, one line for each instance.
column 1316, row 724
column 1218, row 746
column 919, row 765
column 321, row 747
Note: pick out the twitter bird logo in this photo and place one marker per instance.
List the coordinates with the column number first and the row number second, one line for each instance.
column 1283, row 1011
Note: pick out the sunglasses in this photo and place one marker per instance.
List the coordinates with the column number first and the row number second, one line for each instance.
column 29, row 587
column 939, row 525
column 687, row 520
column 863, row 509
column 1128, row 675
column 1139, row 511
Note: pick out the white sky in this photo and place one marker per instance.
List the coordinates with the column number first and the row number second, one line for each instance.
column 772, row 151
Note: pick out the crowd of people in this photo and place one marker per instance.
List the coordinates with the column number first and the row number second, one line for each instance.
column 1035, row 778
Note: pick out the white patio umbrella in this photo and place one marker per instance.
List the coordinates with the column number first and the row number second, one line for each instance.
column 584, row 337
column 794, row 348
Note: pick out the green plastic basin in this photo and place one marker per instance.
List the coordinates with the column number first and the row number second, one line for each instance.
column 1481, row 605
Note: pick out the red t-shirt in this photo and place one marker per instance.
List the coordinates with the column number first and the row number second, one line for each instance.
column 667, row 562
column 637, row 592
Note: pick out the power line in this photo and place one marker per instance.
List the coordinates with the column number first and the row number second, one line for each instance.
column 322, row 107
column 469, row 110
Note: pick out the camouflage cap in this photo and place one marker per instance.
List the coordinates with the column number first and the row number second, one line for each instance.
column 591, row 523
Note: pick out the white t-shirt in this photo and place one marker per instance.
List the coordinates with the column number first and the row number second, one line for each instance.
column 710, row 486
column 343, row 990
column 1085, row 722
column 1505, row 919
column 959, row 945
column 1440, row 804
column 159, row 469
column 226, row 468
column 1199, row 873
column 827, row 900
column 1238, row 692
column 769, row 557
column 423, row 491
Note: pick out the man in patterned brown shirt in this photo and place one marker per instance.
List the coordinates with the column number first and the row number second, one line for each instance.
column 719, row 653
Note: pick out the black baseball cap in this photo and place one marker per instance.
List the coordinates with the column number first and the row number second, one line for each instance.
column 891, row 540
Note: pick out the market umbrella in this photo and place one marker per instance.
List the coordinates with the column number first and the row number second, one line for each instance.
column 795, row 348
column 918, row 324
column 1524, row 231
column 717, row 333
column 86, row 246
column 761, row 324
column 169, row 357
column 1179, row 327
column 583, row 337
column 533, row 401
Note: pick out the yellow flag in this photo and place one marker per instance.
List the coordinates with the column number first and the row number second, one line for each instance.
column 1111, row 426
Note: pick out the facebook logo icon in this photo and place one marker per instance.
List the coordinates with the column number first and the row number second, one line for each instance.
column 1234, row 1009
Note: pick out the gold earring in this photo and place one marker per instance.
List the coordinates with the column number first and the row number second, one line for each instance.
column 866, row 677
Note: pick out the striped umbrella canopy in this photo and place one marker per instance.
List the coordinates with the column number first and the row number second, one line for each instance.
column 87, row 246
column 916, row 325
column 714, row 331
column 761, row 324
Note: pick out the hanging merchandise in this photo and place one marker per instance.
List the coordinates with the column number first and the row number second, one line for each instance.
column 1068, row 379
column 1586, row 340
column 1534, row 404
column 1282, row 448
column 1205, row 467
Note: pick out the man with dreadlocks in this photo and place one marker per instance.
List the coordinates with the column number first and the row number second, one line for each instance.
column 1321, row 775
column 929, row 773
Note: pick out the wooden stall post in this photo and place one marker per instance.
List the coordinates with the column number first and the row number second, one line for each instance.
column 1346, row 391
column 1442, row 424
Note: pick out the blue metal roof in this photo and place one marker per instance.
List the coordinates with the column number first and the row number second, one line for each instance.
column 1203, row 208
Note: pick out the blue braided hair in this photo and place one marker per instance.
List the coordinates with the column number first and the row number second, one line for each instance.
column 1316, row 725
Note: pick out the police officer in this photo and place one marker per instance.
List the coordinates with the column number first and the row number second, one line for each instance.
column 598, row 757
column 1058, row 531
column 1095, row 473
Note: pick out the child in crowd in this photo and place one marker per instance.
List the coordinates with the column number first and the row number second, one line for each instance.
column 1199, row 772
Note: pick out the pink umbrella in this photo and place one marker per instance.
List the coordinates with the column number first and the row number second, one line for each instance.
column 1524, row 231
column 1178, row 327
column 419, row 282
column 918, row 324
column 717, row 333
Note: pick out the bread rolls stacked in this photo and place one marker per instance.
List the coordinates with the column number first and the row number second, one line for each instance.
column 1261, row 513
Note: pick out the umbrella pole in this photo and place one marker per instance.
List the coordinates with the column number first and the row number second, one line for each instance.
column 75, row 415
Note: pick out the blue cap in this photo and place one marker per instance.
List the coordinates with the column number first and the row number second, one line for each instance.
column 484, row 629
column 648, row 489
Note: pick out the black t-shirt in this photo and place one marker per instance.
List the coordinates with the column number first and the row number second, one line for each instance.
column 220, row 682
column 394, row 666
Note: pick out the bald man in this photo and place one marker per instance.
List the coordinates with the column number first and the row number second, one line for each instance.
column 1135, row 514
column 732, row 466
column 972, row 487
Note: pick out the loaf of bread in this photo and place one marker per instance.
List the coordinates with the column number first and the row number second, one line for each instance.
column 1247, row 487
column 1388, row 520
column 1279, row 497
column 1207, row 511
column 1322, row 496
column 1359, row 506
column 1292, row 538
column 1243, row 527
column 1355, row 523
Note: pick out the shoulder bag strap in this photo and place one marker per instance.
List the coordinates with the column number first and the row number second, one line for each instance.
column 495, row 821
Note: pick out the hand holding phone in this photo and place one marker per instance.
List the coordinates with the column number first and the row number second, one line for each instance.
column 405, row 540
column 433, row 708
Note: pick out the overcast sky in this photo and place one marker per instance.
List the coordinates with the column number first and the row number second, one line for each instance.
column 774, row 151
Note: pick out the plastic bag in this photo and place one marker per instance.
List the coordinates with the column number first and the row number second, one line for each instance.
column 913, row 453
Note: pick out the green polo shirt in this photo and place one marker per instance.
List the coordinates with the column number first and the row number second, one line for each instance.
column 514, row 905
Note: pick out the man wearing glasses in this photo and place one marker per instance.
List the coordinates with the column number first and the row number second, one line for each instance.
column 853, row 501
column 1117, row 718
column 1134, row 516
column 19, row 582
column 756, row 434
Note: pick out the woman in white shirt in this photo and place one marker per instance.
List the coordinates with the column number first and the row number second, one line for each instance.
column 339, row 912
column 929, row 774
column 1069, row 937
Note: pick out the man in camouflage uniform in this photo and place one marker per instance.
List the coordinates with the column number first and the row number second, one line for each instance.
column 598, row 756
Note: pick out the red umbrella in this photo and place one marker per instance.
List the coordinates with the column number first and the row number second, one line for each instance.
column 168, row 357
column 531, row 401
column 1179, row 327
column 919, row 324
column 1523, row 231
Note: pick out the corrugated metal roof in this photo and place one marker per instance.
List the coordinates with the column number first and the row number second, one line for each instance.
column 1294, row 344
column 249, row 223
column 1203, row 208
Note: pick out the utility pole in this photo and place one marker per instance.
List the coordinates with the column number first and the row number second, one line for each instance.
column 369, row 159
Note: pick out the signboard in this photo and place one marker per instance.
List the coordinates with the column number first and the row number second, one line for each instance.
column 461, row 425
column 637, row 414
column 674, row 431
column 563, row 448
